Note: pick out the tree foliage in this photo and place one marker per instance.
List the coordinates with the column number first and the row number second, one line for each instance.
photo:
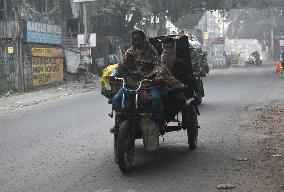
column 255, row 23
column 111, row 14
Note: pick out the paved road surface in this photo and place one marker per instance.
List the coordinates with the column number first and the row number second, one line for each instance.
column 65, row 145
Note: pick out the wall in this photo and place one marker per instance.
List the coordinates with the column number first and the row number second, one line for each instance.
column 23, row 62
column 9, row 29
column 9, row 57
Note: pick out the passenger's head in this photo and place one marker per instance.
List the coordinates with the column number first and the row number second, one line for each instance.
column 138, row 39
column 169, row 44
column 168, row 56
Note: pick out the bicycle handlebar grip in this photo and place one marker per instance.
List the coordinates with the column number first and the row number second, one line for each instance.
column 111, row 78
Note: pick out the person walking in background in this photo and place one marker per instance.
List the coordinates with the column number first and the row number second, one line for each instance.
column 280, row 64
column 282, row 57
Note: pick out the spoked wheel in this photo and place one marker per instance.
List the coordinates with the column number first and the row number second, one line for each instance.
column 125, row 147
column 192, row 126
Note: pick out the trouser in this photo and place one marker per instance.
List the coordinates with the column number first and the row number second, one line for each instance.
column 154, row 107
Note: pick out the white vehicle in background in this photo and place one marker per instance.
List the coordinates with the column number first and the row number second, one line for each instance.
column 193, row 41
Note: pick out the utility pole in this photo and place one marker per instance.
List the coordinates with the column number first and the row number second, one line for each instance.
column 206, row 21
column 272, row 33
column 206, row 31
column 86, row 38
column 85, row 22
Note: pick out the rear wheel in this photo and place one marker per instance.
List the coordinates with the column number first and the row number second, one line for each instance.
column 192, row 126
column 125, row 147
column 199, row 92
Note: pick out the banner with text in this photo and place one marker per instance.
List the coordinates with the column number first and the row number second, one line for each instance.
column 47, row 52
column 47, row 70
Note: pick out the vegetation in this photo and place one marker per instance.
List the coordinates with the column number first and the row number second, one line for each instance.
column 255, row 23
column 258, row 24
column 112, row 14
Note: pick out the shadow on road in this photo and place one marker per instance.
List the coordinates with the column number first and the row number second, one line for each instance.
column 167, row 157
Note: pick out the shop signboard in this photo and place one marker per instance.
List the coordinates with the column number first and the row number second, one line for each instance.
column 83, row 1
column 218, row 40
column 206, row 35
column 42, row 33
column 10, row 50
column 80, row 39
column 47, row 52
column 47, row 66
column 85, row 54
column 92, row 39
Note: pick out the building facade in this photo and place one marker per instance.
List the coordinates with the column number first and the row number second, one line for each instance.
column 31, row 42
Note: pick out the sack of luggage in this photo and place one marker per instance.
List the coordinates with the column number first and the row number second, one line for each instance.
column 109, row 88
column 150, row 133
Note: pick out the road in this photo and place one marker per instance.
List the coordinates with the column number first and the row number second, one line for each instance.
column 65, row 145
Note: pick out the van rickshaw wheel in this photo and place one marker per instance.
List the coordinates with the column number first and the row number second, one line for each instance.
column 192, row 128
column 125, row 147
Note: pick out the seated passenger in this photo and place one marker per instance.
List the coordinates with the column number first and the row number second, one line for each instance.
column 175, row 101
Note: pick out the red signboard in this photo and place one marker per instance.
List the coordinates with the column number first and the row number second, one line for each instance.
column 218, row 40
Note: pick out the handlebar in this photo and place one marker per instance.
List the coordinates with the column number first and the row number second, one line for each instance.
column 112, row 78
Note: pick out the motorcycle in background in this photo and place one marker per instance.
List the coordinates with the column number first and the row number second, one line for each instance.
column 254, row 61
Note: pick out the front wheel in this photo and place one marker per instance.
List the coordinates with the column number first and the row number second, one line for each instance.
column 125, row 147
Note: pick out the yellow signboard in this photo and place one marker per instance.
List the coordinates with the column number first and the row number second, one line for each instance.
column 10, row 50
column 206, row 36
column 47, row 70
column 47, row 52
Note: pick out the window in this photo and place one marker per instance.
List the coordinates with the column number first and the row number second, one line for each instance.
column 42, row 6
column 2, row 9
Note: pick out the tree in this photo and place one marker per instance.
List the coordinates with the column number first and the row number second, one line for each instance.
column 111, row 14
column 257, row 24
column 118, row 17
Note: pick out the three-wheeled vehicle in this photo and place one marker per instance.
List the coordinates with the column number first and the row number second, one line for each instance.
column 133, row 123
column 198, row 74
